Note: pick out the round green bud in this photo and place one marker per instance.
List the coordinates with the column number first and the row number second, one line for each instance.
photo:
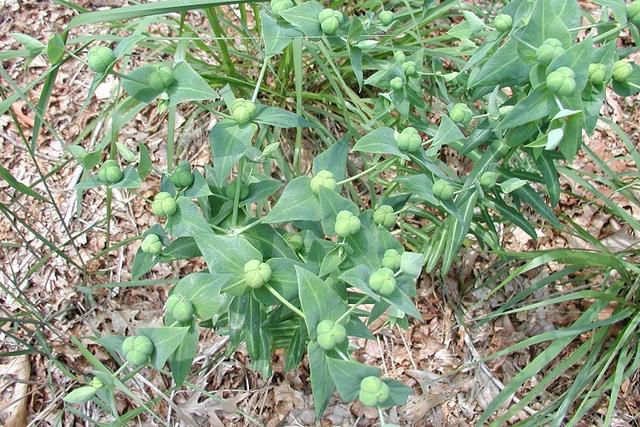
column 295, row 241
column 161, row 78
column 489, row 179
column 256, row 273
column 409, row 140
column 100, row 58
column 324, row 179
column 230, row 190
column 442, row 190
column 330, row 334
column 330, row 20
column 562, row 81
column 242, row 110
column 179, row 307
column 461, row 114
column 409, row 68
column 549, row 50
column 386, row 17
column 373, row 391
column 151, row 244
column 81, row 394
column 396, row 83
column 633, row 12
column 96, row 383
column 347, row 224
column 622, row 70
column 399, row 56
column 182, row 176
column 383, row 281
column 597, row 74
column 110, row 172
column 278, row 6
column 164, row 204
column 391, row 259
column 502, row 22
column 137, row 350
column 385, row 216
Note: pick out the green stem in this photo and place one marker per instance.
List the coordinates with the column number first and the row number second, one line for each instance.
column 284, row 301
column 120, row 369
column 247, row 227
column 108, row 202
column 612, row 31
column 260, row 78
column 171, row 135
column 351, row 309
column 381, row 415
column 344, row 356
column 236, row 196
column 367, row 171
column 212, row 16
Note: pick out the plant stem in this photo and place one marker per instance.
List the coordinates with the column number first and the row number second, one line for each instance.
column 612, row 31
column 259, row 82
column 120, row 369
column 352, row 308
column 344, row 356
column 284, row 301
column 247, row 227
column 236, row 197
column 366, row 171
column 381, row 415
column 212, row 16
column 171, row 132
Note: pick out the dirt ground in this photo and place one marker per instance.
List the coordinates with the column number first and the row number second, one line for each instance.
column 422, row 357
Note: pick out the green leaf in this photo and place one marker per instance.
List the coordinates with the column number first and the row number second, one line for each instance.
column 203, row 289
column 188, row 85
column 182, row 359
column 333, row 159
column 55, row 48
column 18, row 186
column 258, row 345
column 223, row 254
column 321, row 384
column 130, row 179
column 358, row 277
column 458, row 230
column 330, row 204
column 319, row 301
column 229, row 142
column 276, row 37
column 550, row 175
column 348, row 374
column 537, row 105
column 380, row 141
column 618, row 7
column 503, row 68
column 280, row 118
column 165, row 341
column 411, row 264
column 33, row 46
column 402, row 302
column 283, row 279
column 297, row 203
column 543, row 24
column 512, row 184
column 182, row 248
column 147, row 9
column 513, row 215
column 145, row 164
column 398, row 393
column 448, row 132
column 532, row 198
column 304, row 17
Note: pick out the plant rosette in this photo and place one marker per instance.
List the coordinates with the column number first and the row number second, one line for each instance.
column 161, row 78
column 622, row 70
column 324, row 179
column 442, row 190
column 383, row 281
column 347, row 224
column 151, row 244
column 137, row 350
column 256, row 273
column 503, row 22
column 373, row 391
column 392, row 259
column 180, row 308
column 562, row 81
column 330, row 20
column 100, row 58
column 164, row 205
column 550, row 49
column 330, row 334
column 385, row 216
column 242, row 110
column 110, row 173
column 409, row 140
column 461, row 114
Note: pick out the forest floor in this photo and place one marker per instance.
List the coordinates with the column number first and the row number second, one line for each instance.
column 424, row 356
